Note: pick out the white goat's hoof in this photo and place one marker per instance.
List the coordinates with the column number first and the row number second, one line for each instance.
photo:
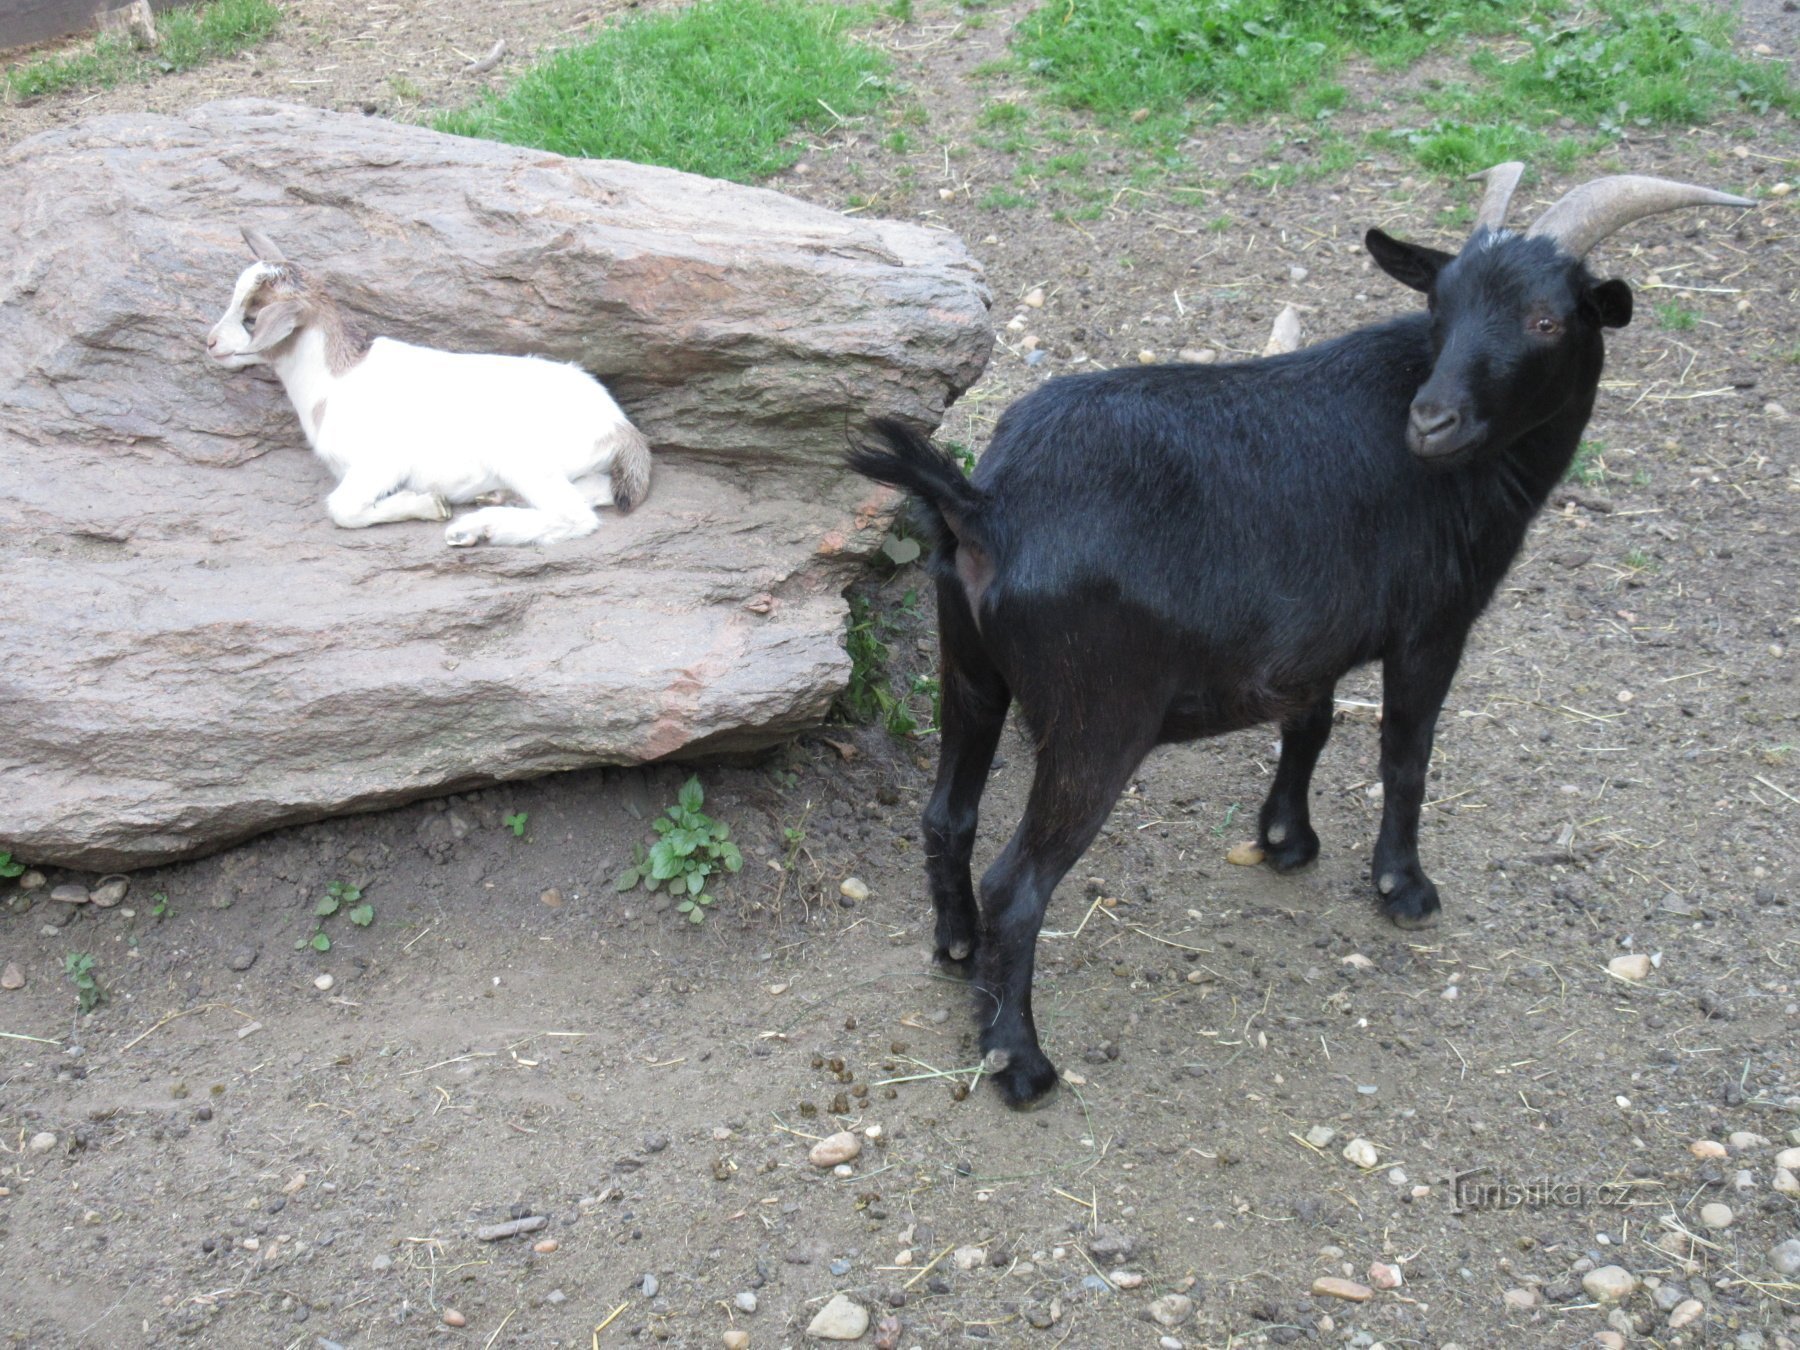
column 440, row 505
column 462, row 536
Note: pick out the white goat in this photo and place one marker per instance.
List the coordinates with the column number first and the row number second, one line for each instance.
column 407, row 430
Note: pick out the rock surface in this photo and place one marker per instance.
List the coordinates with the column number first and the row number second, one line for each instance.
column 210, row 657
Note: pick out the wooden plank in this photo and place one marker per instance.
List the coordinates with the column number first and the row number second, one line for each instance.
column 24, row 22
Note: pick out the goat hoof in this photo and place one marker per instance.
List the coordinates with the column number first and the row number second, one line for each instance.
column 1296, row 847
column 459, row 536
column 1028, row 1080
column 1411, row 902
column 440, row 506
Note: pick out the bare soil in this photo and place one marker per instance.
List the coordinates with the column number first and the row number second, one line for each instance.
column 236, row 1157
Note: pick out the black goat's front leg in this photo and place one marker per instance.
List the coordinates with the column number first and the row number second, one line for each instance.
column 974, row 702
column 1071, row 794
column 1413, row 688
column 1285, row 829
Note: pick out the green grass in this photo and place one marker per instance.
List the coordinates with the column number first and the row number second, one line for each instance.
column 1674, row 315
column 1153, row 69
column 190, row 37
column 718, row 89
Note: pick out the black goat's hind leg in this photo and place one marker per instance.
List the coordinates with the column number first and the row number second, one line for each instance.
column 1413, row 689
column 1285, row 829
column 1071, row 795
column 974, row 701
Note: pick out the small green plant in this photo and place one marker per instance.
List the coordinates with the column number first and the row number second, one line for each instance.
column 1639, row 561
column 1588, row 467
column 516, row 823
column 1225, row 824
column 339, row 895
column 79, row 967
column 159, row 905
column 693, row 848
column 1674, row 315
column 868, row 696
column 10, row 866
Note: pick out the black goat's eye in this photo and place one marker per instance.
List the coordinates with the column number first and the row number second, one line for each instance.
column 1545, row 326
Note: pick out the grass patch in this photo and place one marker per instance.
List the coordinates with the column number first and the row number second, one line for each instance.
column 1152, row 69
column 718, row 89
column 190, row 37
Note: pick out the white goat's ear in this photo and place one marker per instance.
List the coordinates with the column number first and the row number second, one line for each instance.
column 275, row 324
column 262, row 246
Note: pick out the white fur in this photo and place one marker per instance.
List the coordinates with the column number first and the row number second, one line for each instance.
column 407, row 430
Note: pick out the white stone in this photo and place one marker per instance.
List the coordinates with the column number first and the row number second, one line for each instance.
column 1609, row 1284
column 1320, row 1135
column 969, row 1258
column 1686, row 1313
column 854, row 888
column 1716, row 1215
column 842, row 1319
column 43, row 1142
column 834, row 1149
column 1705, row 1149
column 1788, row 1158
column 1633, row 968
column 1521, row 1300
column 1786, row 1183
column 1742, row 1140
column 1171, row 1310
column 324, row 982
column 1362, row 1153
column 1384, row 1275
column 1784, row 1259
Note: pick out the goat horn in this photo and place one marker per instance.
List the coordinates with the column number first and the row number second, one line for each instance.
column 1587, row 214
column 1502, row 180
column 261, row 245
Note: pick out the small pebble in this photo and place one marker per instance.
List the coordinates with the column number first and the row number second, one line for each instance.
column 242, row 958
column 1330, row 1286
column 1035, row 297
column 1171, row 1310
column 70, row 895
column 552, row 897
column 1362, row 1153
column 737, row 1338
column 1385, row 1276
column 1633, row 968
column 650, row 1285
column 1200, row 356
column 1610, row 1340
column 1788, row 1158
column 834, row 1149
column 1146, row 357
column 968, row 1258
column 854, row 888
column 1716, row 1215
column 1320, row 1135
column 1246, row 854
column 545, row 1247
column 1707, row 1148
column 1298, row 273
column 1686, row 1313
column 1126, row 1279
column 842, row 1319
column 1609, row 1284
column 324, row 982
column 745, row 1301
column 839, row 1267
column 109, row 893
column 453, row 1318
column 1745, row 1139
column 1521, row 1300
column 43, row 1142
column 1786, row 1183
column 12, row 977
column 1785, row 1258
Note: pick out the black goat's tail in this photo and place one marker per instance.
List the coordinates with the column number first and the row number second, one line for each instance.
column 948, row 502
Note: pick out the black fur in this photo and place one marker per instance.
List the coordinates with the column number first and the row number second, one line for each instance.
column 1157, row 554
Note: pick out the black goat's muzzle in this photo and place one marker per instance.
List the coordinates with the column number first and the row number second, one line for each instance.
column 1441, row 434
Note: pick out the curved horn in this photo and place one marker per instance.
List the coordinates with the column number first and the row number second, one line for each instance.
column 262, row 246
column 1502, row 180
column 1587, row 214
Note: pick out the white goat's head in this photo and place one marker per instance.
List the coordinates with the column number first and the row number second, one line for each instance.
column 269, row 303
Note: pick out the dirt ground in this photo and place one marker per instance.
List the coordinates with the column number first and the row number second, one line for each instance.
column 224, row 1153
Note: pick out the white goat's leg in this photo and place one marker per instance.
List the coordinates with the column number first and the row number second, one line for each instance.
column 596, row 490
column 364, row 499
column 558, row 511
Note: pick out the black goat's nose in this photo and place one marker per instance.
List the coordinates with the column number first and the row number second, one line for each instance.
column 1432, row 421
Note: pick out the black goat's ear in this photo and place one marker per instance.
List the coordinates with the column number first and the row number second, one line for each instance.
column 1609, row 304
column 1410, row 264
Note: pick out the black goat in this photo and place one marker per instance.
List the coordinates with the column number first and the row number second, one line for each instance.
column 1158, row 554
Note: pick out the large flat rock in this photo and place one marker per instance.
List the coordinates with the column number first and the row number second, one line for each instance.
column 196, row 653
